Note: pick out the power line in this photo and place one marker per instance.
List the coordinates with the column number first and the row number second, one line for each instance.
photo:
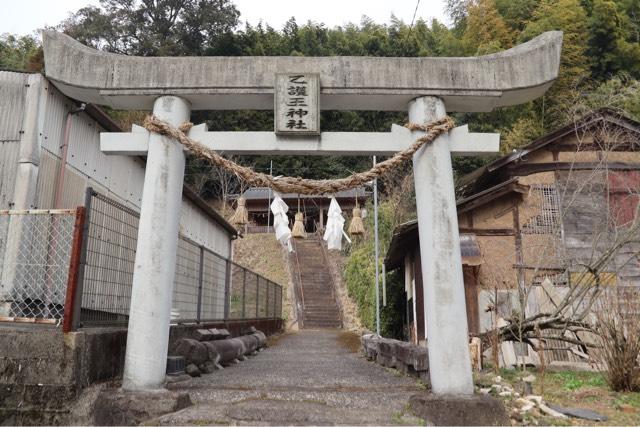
column 415, row 11
column 414, row 16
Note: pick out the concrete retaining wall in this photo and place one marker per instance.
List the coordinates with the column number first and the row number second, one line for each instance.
column 42, row 369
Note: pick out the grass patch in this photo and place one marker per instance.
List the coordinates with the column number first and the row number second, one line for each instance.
column 587, row 390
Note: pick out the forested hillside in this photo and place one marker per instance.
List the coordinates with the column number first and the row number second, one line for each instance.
column 600, row 61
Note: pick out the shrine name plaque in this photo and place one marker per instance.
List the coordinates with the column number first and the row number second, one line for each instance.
column 297, row 104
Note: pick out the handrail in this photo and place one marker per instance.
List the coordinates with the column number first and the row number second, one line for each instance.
column 295, row 252
column 333, row 282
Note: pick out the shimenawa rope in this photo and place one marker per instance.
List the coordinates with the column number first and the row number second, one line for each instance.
column 300, row 185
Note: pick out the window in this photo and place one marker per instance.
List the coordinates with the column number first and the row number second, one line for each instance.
column 548, row 221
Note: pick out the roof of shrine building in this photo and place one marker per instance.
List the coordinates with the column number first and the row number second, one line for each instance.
column 482, row 83
column 262, row 193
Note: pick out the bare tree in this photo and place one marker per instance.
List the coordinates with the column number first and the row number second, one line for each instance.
column 213, row 182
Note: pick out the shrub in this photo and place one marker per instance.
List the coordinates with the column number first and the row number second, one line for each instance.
column 618, row 329
column 359, row 276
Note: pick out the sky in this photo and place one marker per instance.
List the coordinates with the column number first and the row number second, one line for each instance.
column 26, row 16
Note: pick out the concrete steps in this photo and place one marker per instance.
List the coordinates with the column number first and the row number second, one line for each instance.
column 315, row 288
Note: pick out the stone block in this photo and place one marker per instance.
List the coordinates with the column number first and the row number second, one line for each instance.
column 262, row 339
column 227, row 350
column 203, row 335
column 207, row 367
column 459, row 410
column 220, row 334
column 250, row 330
column 249, row 342
column 193, row 351
column 193, row 370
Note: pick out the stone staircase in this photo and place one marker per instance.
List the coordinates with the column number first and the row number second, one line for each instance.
column 316, row 301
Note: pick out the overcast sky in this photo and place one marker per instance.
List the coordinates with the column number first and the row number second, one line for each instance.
column 26, row 16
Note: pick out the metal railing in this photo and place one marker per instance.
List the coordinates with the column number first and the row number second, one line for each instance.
column 207, row 287
column 75, row 267
column 35, row 254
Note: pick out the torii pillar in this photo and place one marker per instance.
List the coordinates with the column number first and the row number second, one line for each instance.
column 425, row 85
column 154, row 271
column 441, row 262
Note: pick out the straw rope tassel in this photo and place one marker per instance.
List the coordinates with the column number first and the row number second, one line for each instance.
column 298, row 231
column 241, row 215
column 356, row 227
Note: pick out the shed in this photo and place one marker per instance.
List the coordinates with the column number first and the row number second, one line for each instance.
column 49, row 159
column 404, row 252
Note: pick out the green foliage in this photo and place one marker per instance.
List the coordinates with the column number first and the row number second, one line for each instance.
column 486, row 31
column 608, row 44
column 524, row 130
column 18, row 53
column 600, row 61
column 575, row 380
column 570, row 17
column 359, row 275
column 154, row 28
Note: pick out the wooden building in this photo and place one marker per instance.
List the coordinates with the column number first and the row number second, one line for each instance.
column 314, row 208
column 541, row 215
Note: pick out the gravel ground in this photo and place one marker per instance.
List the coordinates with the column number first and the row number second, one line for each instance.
column 304, row 378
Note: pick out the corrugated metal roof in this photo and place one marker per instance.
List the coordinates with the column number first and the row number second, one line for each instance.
column 470, row 250
column 12, row 100
column 405, row 239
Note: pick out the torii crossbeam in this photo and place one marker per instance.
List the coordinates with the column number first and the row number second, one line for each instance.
column 423, row 86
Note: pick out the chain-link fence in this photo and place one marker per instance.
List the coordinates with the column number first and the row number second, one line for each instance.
column 204, row 280
column 77, row 266
column 35, row 258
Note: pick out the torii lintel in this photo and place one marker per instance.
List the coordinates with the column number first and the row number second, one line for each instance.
column 482, row 83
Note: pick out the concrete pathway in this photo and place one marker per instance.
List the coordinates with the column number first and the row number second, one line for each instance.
column 312, row 377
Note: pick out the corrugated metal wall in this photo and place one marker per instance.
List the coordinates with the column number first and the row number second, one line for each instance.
column 119, row 177
column 12, row 102
column 202, row 230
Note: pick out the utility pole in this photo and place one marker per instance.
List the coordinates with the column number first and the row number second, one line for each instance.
column 377, row 255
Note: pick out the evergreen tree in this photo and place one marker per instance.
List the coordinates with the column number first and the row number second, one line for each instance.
column 20, row 53
column 606, row 39
column 485, row 31
column 570, row 17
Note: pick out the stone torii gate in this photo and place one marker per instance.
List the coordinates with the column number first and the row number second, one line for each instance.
column 172, row 87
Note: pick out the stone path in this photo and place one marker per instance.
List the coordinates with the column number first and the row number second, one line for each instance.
column 312, row 377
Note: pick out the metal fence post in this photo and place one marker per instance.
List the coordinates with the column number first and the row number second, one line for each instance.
column 227, row 289
column 74, row 266
column 275, row 299
column 257, row 296
column 267, row 302
column 84, row 249
column 200, row 282
column 244, row 287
